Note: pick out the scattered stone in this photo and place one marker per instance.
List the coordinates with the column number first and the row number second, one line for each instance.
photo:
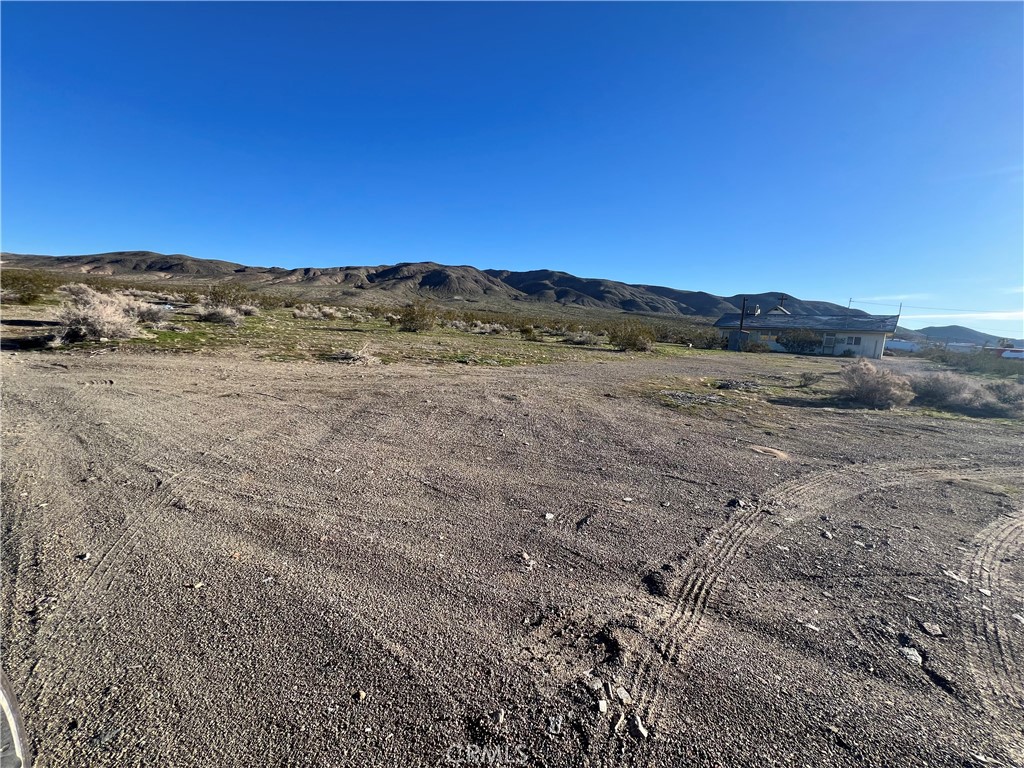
column 912, row 655
column 84, row 556
column 985, row 592
column 359, row 695
column 813, row 628
column 955, row 577
column 620, row 722
column 1019, row 617
column 623, row 695
column 594, row 684
column 932, row 629
column 782, row 548
column 736, row 502
column 827, row 535
column 602, row 706
column 913, row 599
column 499, row 717
column 666, row 503
column 638, row 727
column 549, row 516
column 860, row 544
column 196, row 585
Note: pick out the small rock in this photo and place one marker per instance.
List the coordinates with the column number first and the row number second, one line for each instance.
column 1018, row 617
column 827, row 535
column 499, row 717
column 638, row 727
column 627, row 498
column 912, row 655
column 359, row 695
column 594, row 684
column 985, row 592
column 666, row 503
column 860, row 544
column 813, row 628
column 913, row 599
column 619, row 722
column 623, row 695
column 734, row 502
column 549, row 516
column 955, row 577
column 602, row 706
column 84, row 556
column 932, row 629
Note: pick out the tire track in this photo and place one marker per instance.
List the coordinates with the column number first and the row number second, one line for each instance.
column 992, row 651
column 802, row 498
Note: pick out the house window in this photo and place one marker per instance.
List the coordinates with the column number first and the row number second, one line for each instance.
column 856, row 341
column 853, row 341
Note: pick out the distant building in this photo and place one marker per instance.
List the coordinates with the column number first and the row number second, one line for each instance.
column 859, row 335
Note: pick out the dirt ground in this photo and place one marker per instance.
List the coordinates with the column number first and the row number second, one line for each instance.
column 210, row 560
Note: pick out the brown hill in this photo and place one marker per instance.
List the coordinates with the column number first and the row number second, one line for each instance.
column 399, row 283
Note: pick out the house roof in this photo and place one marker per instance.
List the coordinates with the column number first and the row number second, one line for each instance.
column 780, row 322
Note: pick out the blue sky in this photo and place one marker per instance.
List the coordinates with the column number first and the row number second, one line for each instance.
column 834, row 151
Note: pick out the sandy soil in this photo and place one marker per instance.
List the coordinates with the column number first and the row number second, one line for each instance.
column 212, row 561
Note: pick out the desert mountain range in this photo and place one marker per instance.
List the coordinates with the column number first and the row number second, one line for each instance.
column 424, row 280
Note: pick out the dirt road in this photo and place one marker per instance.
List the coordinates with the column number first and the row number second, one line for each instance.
column 214, row 561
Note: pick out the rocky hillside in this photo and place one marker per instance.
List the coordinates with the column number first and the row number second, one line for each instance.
column 426, row 280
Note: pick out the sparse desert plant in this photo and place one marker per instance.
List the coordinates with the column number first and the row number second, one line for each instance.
column 582, row 339
column 755, row 346
column 799, row 341
column 632, row 335
column 247, row 310
column 218, row 313
column 864, row 383
column 94, row 316
column 952, row 392
column 529, row 333
column 810, row 378
column 143, row 311
column 415, row 317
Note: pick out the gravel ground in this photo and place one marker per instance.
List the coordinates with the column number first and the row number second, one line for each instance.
column 213, row 561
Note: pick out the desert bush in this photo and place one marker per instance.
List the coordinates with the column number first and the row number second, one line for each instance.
column 26, row 286
column 632, row 335
column 529, row 333
column 755, row 346
column 952, row 392
column 218, row 313
column 415, row 317
column 583, row 339
column 1008, row 392
column 799, row 341
column 864, row 383
column 143, row 311
column 247, row 310
column 810, row 378
column 92, row 316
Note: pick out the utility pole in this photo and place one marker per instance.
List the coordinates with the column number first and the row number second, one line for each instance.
column 743, row 312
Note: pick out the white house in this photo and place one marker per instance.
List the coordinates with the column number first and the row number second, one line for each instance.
column 859, row 335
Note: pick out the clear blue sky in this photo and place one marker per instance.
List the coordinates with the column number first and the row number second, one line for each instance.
column 828, row 150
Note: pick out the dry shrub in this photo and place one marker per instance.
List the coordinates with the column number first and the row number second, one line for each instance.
column 866, row 384
column 93, row 316
column 951, row 392
column 583, row 339
column 247, row 310
column 218, row 313
column 810, row 378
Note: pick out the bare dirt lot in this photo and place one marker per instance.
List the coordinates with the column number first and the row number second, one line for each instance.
column 211, row 560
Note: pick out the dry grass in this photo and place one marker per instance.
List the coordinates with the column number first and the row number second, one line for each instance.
column 865, row 384
column 93, row 316
column 961, row 394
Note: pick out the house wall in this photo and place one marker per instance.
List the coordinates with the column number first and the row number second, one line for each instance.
column 871, row 344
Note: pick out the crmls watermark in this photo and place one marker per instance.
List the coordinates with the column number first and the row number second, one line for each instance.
column 490, row 754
